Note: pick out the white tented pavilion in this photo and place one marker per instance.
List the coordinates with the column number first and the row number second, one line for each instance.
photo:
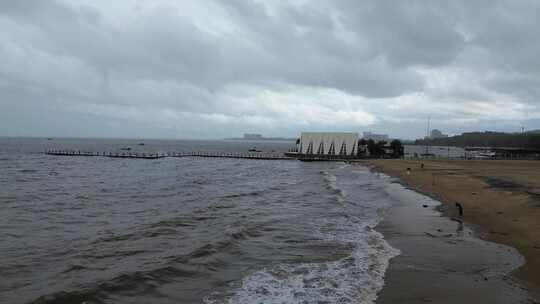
column 335, row 143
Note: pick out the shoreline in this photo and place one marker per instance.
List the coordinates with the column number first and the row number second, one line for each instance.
column 444, row 259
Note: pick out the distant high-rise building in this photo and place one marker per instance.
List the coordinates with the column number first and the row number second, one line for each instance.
column 435, row 133
column 375, row 137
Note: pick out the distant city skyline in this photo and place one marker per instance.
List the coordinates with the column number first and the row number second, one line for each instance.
column 217, row 69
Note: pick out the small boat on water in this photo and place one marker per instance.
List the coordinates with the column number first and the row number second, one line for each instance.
column 254, row 149
column 125, row 149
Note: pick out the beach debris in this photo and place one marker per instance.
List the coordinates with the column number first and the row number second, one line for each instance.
column 460, row 209
column 536, row 247
column 455, row 219
column 438, row 236
column 500, row 212
column 450, row 270
column 474, row 193
column 498, row 232
column 480, row 271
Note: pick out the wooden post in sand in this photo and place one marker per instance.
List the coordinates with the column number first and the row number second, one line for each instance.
column 460, row 209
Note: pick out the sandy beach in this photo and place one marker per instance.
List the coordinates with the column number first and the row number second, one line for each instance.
column 501, row 203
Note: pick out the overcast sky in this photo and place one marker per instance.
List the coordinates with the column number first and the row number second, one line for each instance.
column 212, row 69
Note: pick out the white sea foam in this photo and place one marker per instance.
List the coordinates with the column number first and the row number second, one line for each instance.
column 356, row 278
column 331, row 181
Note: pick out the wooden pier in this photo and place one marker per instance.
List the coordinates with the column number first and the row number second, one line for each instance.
column 140, row 155
column 258, row 155
column 106, row 154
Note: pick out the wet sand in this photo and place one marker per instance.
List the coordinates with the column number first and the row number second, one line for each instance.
column 444, row 260
column 441, row 260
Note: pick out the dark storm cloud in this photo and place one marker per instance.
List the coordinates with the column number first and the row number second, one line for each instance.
column 273, row 65
column 407, row 33
column 161, row 45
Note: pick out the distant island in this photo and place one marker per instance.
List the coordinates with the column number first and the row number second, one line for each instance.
column 252, row 136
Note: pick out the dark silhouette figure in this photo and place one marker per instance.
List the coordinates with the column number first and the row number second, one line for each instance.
column 460, row 208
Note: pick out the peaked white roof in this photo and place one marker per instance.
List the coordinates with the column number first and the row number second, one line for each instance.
column 315, row 142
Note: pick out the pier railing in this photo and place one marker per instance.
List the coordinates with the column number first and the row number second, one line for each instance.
column 258, row 155
column 142, row 155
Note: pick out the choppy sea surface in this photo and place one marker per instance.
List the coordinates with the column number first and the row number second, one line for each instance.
column 186, row 230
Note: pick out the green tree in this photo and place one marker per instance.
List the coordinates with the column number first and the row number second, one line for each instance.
column 376, row 149
column 381, row 152
column 397, row 148
column 529, row 139
column 372, row 147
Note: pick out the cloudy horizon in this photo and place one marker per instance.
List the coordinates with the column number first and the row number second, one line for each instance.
column 214, row 69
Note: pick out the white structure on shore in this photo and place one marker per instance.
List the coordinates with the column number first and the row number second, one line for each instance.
column 328, row 143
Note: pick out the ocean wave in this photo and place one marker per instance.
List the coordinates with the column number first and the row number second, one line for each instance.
column 28, row 171
column 355, row 278
column 175, row 222
column 243, row 232
column 112, row 254
column 131, row 284
column 196, row 263
column 75, row 267
column 331, row 184
column 243, row 194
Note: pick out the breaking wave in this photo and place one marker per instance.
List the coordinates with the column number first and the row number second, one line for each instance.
column 356, row 278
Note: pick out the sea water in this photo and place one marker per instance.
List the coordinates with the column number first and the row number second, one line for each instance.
column 186, row 230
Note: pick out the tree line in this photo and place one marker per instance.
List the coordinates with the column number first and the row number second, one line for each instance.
column 381, row 149
column 487, row 139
